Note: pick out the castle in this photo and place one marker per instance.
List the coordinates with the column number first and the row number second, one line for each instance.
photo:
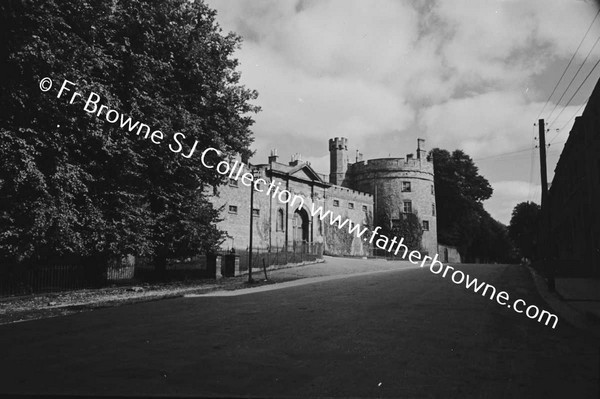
column 361, row 192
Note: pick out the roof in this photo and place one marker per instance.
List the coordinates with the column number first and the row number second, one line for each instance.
column 301, row 172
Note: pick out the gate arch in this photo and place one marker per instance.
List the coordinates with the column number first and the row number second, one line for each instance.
column 300, row 226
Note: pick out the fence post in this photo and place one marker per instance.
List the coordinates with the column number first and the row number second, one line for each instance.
column 265, row 269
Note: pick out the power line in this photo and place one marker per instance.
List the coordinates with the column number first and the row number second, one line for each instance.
column 537, row 192
column 572, row 79
column 569, row 121
column 501, row 155
column 568, row 65
column 558, row 142
column 578, row 88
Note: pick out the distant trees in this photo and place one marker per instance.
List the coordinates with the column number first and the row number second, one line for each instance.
column 73, row 185
column 523, row 228
column 492, row 242
column 461, row 219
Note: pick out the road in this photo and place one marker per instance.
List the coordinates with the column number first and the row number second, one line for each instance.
column 402, row 333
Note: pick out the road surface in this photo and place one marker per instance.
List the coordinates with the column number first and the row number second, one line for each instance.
column 400, row 333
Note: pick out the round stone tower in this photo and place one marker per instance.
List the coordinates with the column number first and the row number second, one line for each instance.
column 400, row 185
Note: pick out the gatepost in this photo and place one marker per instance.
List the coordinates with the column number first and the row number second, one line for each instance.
column 231, row 264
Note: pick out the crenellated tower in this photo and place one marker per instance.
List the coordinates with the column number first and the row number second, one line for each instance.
column 338, row 156
column 398, row 185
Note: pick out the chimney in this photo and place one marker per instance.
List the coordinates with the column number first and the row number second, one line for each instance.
column 359, row 156
column 273, row 157
column 421, row 153
column 296, row 159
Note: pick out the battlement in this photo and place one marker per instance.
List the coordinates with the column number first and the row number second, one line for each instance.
column 338, row 143
column 348, row 193
column 391, row 164
column 338, row 159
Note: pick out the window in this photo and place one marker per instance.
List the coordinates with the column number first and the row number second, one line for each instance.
column 365, row 209
column 279, row 221
column 407, row 207
column 432, row 190
column 425, row 225
column 233, row 182
column 350, row 205
column 255, row 212
column 336, row 203
column 233, row 209
column 406, row 187
column 432, row 209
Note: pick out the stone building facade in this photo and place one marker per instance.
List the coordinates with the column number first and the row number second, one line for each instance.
column 398, row 185
column 289, row 225
column 354, row 191
column 571, row 232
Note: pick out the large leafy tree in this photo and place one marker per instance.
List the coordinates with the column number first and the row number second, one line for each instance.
column 459, row 193
column 75, row 186
column 461, row 219
column 524, row 226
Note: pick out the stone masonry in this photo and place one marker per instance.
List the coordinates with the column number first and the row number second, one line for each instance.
column 398, row 185
column 356, row 192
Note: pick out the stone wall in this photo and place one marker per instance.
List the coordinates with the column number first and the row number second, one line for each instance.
column 267, row 232
column 387, row 179
column 570, row 231
column 448, row 254
column 354, row 206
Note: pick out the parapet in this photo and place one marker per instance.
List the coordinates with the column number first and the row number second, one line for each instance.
column 391, row 164
column 349, row 193
column 338, row 143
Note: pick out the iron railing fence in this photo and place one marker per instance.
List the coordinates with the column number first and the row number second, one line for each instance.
column 25, row 280
column 275, row 256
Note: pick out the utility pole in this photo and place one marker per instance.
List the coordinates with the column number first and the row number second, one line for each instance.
column 250, row 280
column 545, row 244
column 544, row 176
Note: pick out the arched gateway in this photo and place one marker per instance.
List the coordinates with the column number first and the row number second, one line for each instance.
column 300, row 227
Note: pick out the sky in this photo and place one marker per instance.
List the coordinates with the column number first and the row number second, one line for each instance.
column 461, row 74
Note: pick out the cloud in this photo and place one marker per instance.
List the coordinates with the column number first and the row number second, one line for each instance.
column 461, row 74
column 507, row 194
column 482, row 125
column 358, row 39
column 489, row 124
column 323, row 70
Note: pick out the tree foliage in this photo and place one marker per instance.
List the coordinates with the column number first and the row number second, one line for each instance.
column 492, row 242
column 461, row 219
column 524, row 226
column 74, row 185
column 407, row 227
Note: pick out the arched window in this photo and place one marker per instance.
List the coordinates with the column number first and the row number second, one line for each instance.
column 279, row 221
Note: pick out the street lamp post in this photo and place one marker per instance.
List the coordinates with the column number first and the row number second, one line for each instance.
column 255, row 175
